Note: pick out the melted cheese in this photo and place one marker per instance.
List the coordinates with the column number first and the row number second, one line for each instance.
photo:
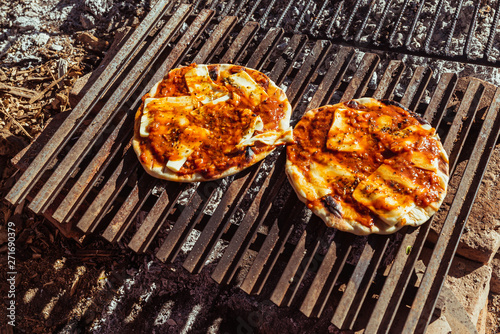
column 247, row 86
column 202, row 88
column 270, row 138
column 383, row 193
column 178, row 104
column 344, row 137
column 422, row 161
column 322, row 175
column 406, row 138
column 190, row 139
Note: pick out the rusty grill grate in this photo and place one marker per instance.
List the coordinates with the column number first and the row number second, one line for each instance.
column 461, row 31
column 87, row 174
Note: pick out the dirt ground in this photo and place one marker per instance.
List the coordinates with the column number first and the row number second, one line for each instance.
column 60, row 285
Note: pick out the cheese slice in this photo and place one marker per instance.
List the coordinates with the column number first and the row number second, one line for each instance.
column 178, row 104
column 202, row 88
column 406, row 138
column 343, row 137
column 322, row 175
column 190, row 139
column 270, row 138
column 386, row 201
column 248, row 87
column 422, row 161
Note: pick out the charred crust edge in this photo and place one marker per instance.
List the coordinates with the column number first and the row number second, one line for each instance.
column 332, row 206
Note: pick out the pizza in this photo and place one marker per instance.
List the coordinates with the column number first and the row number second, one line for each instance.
column 367, row 166
column 204, row 122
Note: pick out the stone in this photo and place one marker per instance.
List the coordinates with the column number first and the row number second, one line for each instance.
column 470, row 283
column 41, row 39
column 27, row 23
column 481, row 322
column 56, row 47
column 495, row 276
column 448, row 303
column 439, row 326
column 87, row 21
column 171, row 322
column 481, row 239
column 98, row 8
column 91, row 42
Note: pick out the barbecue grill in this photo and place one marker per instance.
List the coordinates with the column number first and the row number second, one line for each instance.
column 86, row 178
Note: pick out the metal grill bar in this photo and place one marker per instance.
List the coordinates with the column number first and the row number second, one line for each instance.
column 327, row 275
column 102, row 119
column 300, row 259
column 129, row 208
column 263, row 21
column 317, row 17
column 396, row 283
column 265, row 48
column 374, row 243
column 358, row 83
column 288, row 57
column 389, row 81
column 254, row 217
column 433, row 27
column 466, row 111
column 472, row 30
column 424, row 303
column 155, row 219
column 301, row 18
column 441, row 98
column 453, row 25
column 89, row 176
column 398, row 22
column 88, row 222
column 332, row 79
column 240, row 43
column 414, row 24
column 285, row 11
column 381, row 22
column 365, row 21
column 272, row 247
column 220, row 34
column 312, row 62
column 416, row 87
column 493, row 31
column 345, row 31
column 338, row 9
column 33, row 173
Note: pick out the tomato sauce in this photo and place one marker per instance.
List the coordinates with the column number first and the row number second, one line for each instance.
column 226, row 123
column 384, row 147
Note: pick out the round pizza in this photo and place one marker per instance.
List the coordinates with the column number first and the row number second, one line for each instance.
column 204, row 122
column 367, row 166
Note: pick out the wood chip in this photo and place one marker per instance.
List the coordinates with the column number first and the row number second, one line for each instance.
column 3, row 76
column 6, row 112
column 49, row 87
column 17, row 91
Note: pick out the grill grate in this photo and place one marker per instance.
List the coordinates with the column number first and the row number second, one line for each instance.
column 88, row 175
column 425, row 28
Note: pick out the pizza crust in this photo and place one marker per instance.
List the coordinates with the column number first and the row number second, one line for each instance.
column 307, row 192
column 279, row 137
